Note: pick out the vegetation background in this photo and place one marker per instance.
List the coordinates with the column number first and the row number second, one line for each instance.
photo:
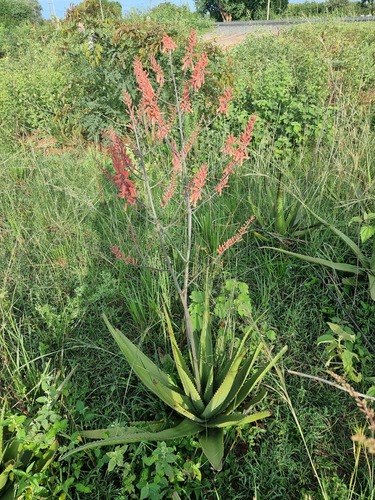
column 312, row 88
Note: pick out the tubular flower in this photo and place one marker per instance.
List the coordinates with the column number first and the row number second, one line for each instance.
column 189, row 144
column 122, row 165
column 157, row 69
column 197, row 184
column 170, row 191
column 237, row 237
column 148, row 104
column 237, row 149
column 224, row 100
column 120, row 255
column 187, row 61
column 230, row 141
column 224, row 178
column 246, row 137
column 168, row 44
column 197, row 78
column 185, row 103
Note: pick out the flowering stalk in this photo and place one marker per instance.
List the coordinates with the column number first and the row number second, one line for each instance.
column 150, row 121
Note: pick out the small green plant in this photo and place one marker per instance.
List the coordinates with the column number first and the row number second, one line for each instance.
column 342, row 344
column 28, row 445
column 365, row 265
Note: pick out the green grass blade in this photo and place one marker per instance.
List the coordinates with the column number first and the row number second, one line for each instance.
column 223, row 421
column 371, row 279
column 337, row 266
column 185, row 428
column 212, row 443
column 2, row 417
column 153, row 377
column 183, row 370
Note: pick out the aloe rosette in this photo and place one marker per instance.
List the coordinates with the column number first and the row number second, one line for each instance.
column 228, row 391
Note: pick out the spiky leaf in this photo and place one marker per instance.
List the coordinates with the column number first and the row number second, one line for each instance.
column 185, row 428
column 153, row 377
column 223, row 421
column 250, row 385
column 212, row 443
column 337, row 266
column 220, row 396
column 183, row 370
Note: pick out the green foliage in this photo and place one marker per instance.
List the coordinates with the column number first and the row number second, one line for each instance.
column 228, row 10
column 344, row 345
column 92, row 13
column 29, row 445
column 58, row 220
column 16, row 12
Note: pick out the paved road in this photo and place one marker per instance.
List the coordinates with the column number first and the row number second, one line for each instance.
column 229, row 34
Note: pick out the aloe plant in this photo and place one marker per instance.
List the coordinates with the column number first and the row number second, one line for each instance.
column 365, row 265
column 228, row 391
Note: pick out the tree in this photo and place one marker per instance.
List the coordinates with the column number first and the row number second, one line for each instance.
column 368, row 4
column 15, row 12
column 231, row 10
column 92, row 12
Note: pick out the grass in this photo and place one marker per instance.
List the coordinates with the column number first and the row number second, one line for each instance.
column 59, row 218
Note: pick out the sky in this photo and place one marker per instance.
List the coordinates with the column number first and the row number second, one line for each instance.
column 60, row 6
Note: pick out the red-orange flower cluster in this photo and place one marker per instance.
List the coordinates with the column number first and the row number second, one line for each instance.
column 157, row 69
column 185, row 103
column 237, row 149
column 187, row 61
column 122, row 165
column 197, row 184
column 168, row 44
column 237, row 237
column 199, row 72
column 120, row 255
column 224, row 100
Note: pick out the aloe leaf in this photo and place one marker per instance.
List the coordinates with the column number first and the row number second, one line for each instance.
column 223, row 421
column 4, row 477
column 353, row 246
column 223, row 371
column 255, row 400
column 185, row 428
column 279, row 209
column 338, row 266
column 256, row 378
column 241, row 377
column 218, row 399
column 9, row 494
column 117, row 431
column 43, row 463
column 212, row 443
column 152, row 377
column 183, row 370
column 294, row 215
column 209, row 389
